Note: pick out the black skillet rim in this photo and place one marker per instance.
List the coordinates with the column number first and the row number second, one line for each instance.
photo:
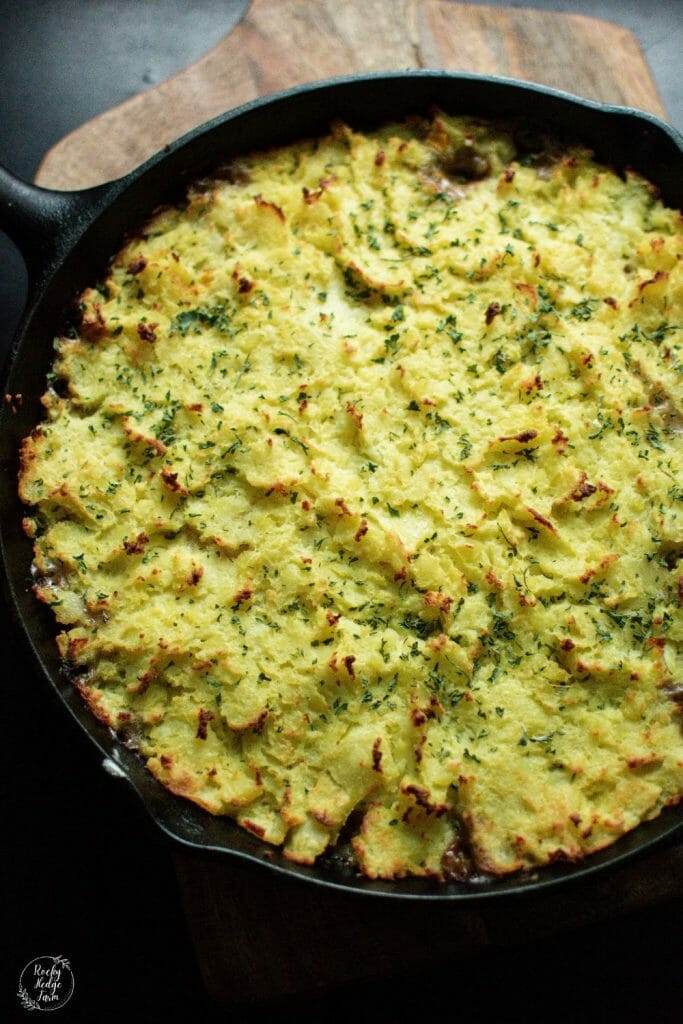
column 644, row 837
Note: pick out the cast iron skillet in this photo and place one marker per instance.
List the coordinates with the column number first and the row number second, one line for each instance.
column 67, row 240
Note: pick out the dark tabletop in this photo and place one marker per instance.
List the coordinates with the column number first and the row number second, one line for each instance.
column 88, row 876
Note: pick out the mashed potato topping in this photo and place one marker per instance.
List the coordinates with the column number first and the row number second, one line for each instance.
column 359, row 498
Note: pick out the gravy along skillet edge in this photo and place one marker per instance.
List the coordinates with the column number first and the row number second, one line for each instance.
column 67, row 240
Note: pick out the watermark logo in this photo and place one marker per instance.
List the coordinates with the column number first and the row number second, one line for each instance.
column 46, row 983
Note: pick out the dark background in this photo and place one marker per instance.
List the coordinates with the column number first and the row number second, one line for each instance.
column 87, row 875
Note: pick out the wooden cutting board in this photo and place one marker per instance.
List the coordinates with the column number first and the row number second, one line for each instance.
column 259, row 936
column 280, row 43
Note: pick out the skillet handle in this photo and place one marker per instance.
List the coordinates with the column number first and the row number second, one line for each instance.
column 43, row 223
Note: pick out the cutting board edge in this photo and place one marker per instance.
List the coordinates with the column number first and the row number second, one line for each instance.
column 56, row 154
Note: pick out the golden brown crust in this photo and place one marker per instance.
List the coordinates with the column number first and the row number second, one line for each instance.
column 357, row 499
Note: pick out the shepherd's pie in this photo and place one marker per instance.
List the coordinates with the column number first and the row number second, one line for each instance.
column 358, row 499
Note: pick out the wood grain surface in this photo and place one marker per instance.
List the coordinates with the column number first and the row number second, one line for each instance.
column 259, row 936
column 280, row 43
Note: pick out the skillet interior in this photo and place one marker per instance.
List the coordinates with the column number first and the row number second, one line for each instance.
column 619, row 137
